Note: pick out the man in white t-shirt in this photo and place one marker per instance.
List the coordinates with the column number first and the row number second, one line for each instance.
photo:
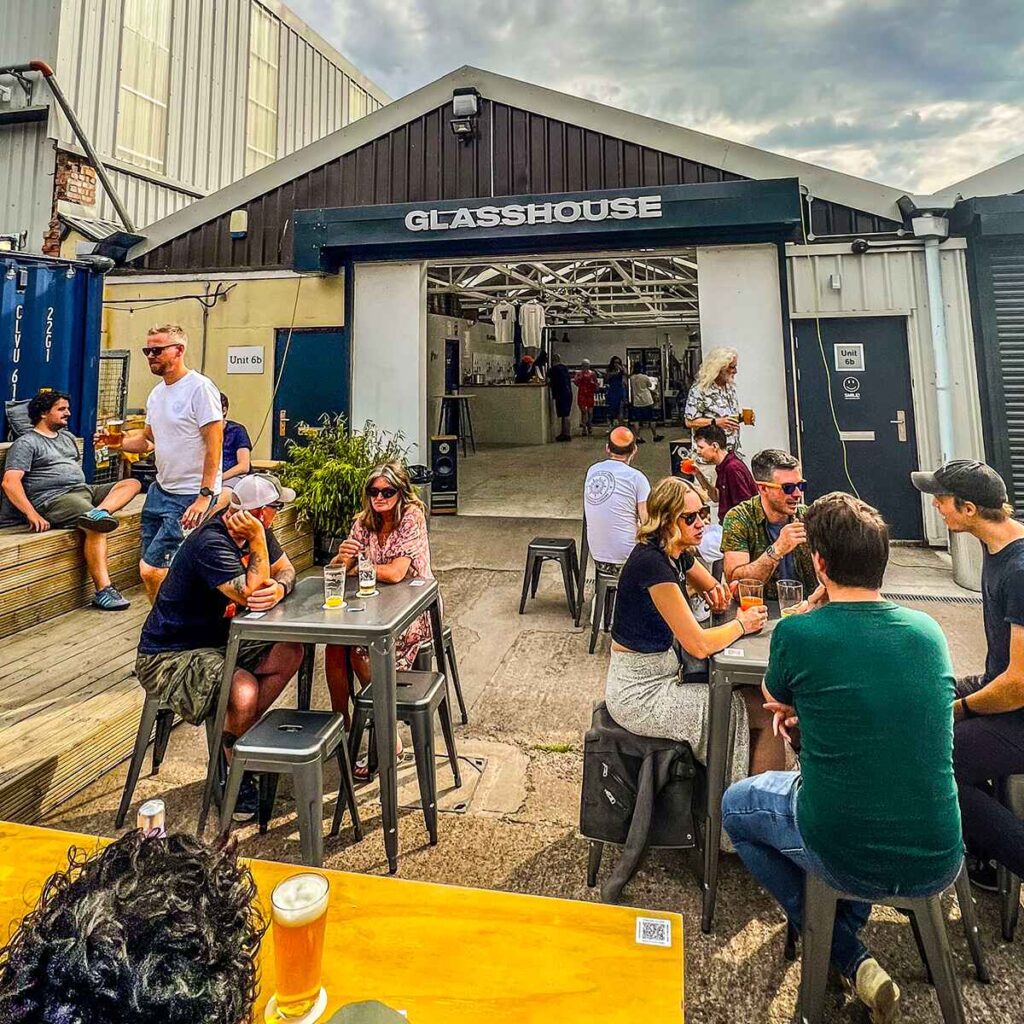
column 614, row 502
column 642, row 390
column 185, row 427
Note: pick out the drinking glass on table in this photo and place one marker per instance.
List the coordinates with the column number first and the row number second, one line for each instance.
column 298, row 908
column 334, row 586
column 367, row 575
column 751, row 593
column 791, row 595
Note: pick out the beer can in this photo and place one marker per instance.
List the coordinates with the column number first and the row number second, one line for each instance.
column 151, row 818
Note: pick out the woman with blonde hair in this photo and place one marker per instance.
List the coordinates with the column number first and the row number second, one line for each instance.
column 392, row 530
column 645, row 691
column 712, row 399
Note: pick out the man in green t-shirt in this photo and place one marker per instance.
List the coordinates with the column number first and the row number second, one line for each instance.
column 871, row 685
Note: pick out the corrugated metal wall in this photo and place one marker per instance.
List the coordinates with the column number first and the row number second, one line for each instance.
column 27, row 162
column 893, row 282
column 147, row 200
column 514, row 152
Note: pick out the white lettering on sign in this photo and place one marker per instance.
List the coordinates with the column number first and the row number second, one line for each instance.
column 849, row 357
column 48, row 336
column 245, row 359
column 513, row 215
column 19, row 312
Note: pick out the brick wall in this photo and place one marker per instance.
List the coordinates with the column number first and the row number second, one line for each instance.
column 74, row 181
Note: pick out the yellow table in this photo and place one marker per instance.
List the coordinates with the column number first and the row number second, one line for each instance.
column 445, row 954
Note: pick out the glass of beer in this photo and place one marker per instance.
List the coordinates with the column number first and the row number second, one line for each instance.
column 334, row 586
column 367, row 575
column 791, row 595
column 751, row 593
column 299, row 916
column 748, row 417
column 114, row 433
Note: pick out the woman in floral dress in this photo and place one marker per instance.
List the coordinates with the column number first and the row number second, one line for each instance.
column 392, row 529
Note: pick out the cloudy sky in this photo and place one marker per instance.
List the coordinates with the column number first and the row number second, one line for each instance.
column 914, row 93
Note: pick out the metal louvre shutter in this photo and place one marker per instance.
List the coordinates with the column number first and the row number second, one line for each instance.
column 1006, row 261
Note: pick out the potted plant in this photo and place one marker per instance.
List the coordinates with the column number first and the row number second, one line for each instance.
column 329, row 470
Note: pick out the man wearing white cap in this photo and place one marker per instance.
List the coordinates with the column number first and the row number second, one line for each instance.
column 232, row 561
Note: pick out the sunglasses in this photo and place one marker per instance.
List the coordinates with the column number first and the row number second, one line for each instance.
column 381, row 492
column 275, row 505
column 152, row 350
column 704, row 512
column 789, row 489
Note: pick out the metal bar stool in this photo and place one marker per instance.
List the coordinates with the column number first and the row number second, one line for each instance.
column 606, row 586
column 420, row 694
column 455, row 413
column 555, row 549
column 425, row 660
column 581, row 576
column 1012, row 795
column 929, row 929
column 295, row 743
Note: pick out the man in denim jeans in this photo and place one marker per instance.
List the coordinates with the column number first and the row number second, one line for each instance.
column 873, row 811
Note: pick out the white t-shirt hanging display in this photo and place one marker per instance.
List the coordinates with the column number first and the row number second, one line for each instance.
column 532, row 320
column 504, row 316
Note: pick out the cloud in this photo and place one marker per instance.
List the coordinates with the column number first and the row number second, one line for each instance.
column 899, row 90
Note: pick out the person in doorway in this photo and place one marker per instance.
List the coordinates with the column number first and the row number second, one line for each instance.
column 614, row 502
column 712, row 400
column 560, row 383
column 988, row 737
column 733, row 481
column 232, row 561
column 615, row 395
column 586, row 386
column 643, row 690
column 185, row 425
column 236, row 459
column 392, row 530
column 524, row 371
column 642, row 390
column 763, row 537
column 44, row 485
column 873, row 809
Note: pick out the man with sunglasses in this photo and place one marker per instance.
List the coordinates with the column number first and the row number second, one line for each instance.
column 763, row 537
column 185, row 427
column 233, row 561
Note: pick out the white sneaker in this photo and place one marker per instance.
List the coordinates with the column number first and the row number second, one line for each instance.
column 878, row 992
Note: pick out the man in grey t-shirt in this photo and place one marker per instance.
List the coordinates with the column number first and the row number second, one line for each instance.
column 44, row 485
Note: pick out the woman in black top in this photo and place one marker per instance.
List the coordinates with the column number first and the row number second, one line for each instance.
column 644, row 691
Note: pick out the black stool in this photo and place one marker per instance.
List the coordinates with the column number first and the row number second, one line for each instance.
column 420, row 694
column 297, row 743
column 555, row 549
column 606, row 586
column 1012, row 795
column 929, row 931
column 425, row 659
column 457, row 419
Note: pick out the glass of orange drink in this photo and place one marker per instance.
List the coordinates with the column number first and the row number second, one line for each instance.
column 298, row 907
column 751, row 593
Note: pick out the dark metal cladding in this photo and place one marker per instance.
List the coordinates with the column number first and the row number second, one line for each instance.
column 422, row 161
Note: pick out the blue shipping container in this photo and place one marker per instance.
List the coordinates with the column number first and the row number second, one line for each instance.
column 50, row 318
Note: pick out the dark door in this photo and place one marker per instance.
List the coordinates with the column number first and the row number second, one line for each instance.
column 312, row 376
column 863, row 363
column 452, row 371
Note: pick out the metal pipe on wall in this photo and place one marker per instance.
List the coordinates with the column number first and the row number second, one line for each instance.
column 940, row 349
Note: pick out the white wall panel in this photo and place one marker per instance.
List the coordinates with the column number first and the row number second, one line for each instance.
column 27, row 162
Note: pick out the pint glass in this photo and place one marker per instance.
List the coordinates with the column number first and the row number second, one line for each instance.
column 299, row 916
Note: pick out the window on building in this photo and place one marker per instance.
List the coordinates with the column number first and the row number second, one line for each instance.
column 261, row 124
column 357, row 102
column 145, row 83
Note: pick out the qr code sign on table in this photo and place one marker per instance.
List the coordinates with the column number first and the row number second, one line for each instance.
column 653, row 931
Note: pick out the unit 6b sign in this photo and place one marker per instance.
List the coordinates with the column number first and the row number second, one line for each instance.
column 849, row 357
column 245, row 359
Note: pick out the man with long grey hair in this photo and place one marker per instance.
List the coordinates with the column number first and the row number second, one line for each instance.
column 712, row 400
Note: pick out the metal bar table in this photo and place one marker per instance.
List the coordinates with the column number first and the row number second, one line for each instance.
column 372, row 622
column 742, row 664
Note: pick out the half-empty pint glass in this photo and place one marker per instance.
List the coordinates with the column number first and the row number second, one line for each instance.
column 791, row 594
column 334, row 586
column 299, row 916
column 751, row 593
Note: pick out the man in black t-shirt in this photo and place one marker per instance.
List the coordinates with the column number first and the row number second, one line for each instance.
column 232, row 561
column 988, row 735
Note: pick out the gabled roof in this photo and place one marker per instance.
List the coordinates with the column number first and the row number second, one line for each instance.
column 1003, row 179
column 746, row 161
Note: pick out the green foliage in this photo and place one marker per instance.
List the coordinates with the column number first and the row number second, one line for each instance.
column 330, row 467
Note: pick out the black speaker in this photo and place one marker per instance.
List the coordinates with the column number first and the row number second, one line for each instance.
column 444, row 488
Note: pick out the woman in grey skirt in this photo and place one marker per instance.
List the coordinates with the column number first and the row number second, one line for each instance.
column 644, row 691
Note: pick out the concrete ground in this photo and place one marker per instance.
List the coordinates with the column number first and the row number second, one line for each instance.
column 530, row 684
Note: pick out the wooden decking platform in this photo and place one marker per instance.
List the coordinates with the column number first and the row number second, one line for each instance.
column 69, row 699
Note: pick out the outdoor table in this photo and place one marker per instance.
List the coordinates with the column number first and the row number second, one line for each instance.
column 301, row 618
column 444, row 954
column 742, row 663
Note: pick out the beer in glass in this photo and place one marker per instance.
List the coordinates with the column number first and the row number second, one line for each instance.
column 791, row 595
column 334, row 586
column 751, row 593
column 299, row 915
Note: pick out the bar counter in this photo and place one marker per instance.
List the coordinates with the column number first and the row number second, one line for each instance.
column 510, row 414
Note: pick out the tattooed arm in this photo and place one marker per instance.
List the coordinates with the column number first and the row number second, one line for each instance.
column 243, row 588
column 281, row 584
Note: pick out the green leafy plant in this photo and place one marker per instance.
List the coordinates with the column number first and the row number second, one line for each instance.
column 329, row 468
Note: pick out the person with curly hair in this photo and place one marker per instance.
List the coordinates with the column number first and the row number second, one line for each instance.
column 144, row 930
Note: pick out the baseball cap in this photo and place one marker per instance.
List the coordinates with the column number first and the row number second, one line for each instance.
column 965, row 479
column 258, row 490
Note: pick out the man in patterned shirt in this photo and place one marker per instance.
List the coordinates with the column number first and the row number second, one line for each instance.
column 763, row 538
column 712, row 401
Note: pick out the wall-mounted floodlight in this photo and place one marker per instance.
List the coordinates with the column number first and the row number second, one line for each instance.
column 465, row 111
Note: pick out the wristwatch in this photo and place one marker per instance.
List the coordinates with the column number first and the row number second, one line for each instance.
column 205, row 492
column 772, row 553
